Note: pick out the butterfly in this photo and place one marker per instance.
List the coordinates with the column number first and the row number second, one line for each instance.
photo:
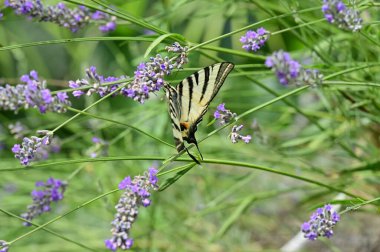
column 189, row 101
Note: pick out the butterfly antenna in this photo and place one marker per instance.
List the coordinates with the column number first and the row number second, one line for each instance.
column 192, row 157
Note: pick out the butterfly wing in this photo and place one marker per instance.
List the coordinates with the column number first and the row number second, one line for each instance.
column 174, row 112
column 194, row 95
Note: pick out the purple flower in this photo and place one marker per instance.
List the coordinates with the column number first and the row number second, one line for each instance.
column 62, row 96
column 153, row 175
column 31, row 94
column 34, row 74
column 136, row 194
column 223, row 115
column 4, row 246
column 290, row 72
column 16, row 148
column 27, row 151
column 74, row 84
column 78, row 93
column 253, row 41
column 96, row 86
column 235, row 136
column 98, row 15
column 125, row 183
column 51, row 191
column 73, row 19
column 108, row 27
column 337, row 13
column 321, row 223
column 149, row 76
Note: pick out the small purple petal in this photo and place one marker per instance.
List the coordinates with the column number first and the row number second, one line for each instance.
column 16, row 148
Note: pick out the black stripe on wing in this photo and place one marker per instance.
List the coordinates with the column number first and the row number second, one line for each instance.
column 224, row 69
column 191, row 84
column 205, row 83
column 174, row 110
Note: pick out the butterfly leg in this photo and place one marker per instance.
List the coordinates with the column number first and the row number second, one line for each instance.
column 192, row 157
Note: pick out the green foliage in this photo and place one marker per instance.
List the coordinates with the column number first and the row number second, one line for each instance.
column 310, row 146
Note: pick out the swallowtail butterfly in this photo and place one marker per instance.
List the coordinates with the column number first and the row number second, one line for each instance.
column 189, row 101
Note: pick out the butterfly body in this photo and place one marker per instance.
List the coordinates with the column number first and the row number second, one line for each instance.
column 189, row 101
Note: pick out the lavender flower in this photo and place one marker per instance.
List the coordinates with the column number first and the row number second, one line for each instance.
column 27, row 150
column 321, row 223
column 73, row 19
column 235, row 136
column 4, row 246
column 223, row 115
column 96, row 86
column 289, row 71
column 136, row 194
column 182, row 52
column 1, row 17
column 43, row 151
column 32, row 94
column 337, row 13
column 253, row 41
column 51, row 191
column 149, row 76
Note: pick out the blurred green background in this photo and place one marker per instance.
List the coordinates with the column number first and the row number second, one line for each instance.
column 215, row 207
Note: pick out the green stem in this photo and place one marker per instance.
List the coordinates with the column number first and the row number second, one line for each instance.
column 118, row 14
column 61, row 216
column 250, row 26
column 267, row 169
column 120, row 123
column 350, row 83
column 45, row 229
column 297, row 26
column 357, row 206
column 92, row 105
column 349, row 70
column 71, row 40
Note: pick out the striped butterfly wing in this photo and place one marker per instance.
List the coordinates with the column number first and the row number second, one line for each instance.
column 195, row 94
column 190, row 100
column 174, row 112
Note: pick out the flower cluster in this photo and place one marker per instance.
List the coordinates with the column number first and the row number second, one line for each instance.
column 99, row 149
column 223, row 115
column 18, row 130
column 93, row 83
column 136, row 194
column 32, row 94
column 289, row 71
column 149, row 76
column 26, row 152
column 235, row 136
column 321, row 223
column 253, row 41
column 73, row 19
column 337, row 13
column 4, row 246
column 51, row 191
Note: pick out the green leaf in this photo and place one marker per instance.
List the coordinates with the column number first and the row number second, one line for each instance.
column 245, row 203
column 161, row 38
